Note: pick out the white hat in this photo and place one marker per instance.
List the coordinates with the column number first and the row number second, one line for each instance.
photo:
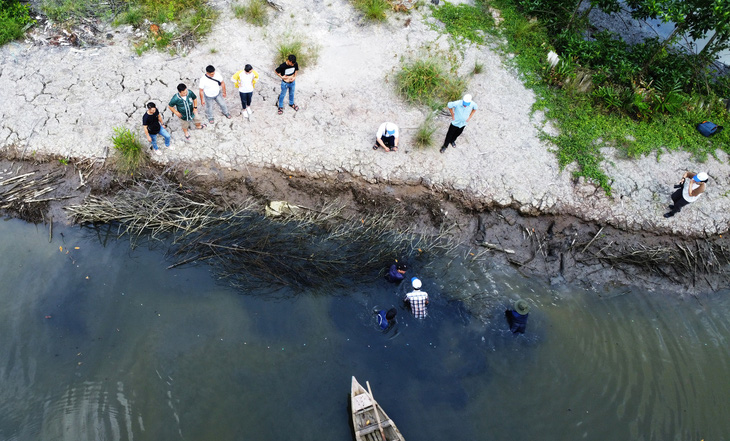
column 390, row 128
column 416, row 282
column 701, row 176
column 467, row 98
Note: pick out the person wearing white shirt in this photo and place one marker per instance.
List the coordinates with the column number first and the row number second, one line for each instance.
column 212, row 89
column 387, row 137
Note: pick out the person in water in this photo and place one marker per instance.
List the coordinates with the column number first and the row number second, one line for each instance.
column 397, row 272
column 386, row 319
column 417, row 300
column 517, row 317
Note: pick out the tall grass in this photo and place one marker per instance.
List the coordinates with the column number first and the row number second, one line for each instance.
column 372, row 9
column 426, row 81
column 424, row 133
column 307, row 53
column 130, row 155
column 254, row 12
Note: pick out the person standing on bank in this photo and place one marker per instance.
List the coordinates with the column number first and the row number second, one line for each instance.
column 387, row 137
column 287, row 71
column 153, row 126
column 184, row 104
column 245, row 80
column 690, row 187
column 517, row 317
column 212, row 88
column 461, row 112
column 417, row 300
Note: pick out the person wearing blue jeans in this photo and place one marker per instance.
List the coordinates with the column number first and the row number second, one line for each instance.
column 153, row 126
column 287, row 71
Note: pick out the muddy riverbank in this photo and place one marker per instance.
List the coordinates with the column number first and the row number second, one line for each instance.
column 557, row 248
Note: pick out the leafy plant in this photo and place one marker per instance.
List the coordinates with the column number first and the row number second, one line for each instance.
column 254, row 12
column 63, row 161
column 14, row 17
column 306, row 52
column 130, row 155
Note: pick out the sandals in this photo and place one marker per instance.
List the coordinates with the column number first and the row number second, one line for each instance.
column 295, row 107
column 281, row 110
column 375, row 147
column 187, row 136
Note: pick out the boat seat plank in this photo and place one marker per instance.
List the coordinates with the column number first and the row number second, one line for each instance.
column 372, row 428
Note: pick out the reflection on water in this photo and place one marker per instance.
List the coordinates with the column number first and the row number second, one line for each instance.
column 101, row 342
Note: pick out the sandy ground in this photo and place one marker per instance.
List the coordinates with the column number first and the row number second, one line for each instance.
column 66, row 101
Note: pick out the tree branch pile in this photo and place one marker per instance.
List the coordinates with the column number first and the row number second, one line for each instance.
column 309, row 248
column 27, row 193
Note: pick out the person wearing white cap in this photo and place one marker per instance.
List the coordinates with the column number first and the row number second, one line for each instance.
column 417, row 300
column 461, row 112
column 690, row 187
column 387, row 137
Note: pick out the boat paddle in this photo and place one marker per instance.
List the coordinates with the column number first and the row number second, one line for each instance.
column 375, row 408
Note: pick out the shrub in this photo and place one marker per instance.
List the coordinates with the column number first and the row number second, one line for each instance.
column 306, row 53
column 130, row 154
column 254, row 12
column 426, row 81
column 424, row 133
column 372, row 9
column 13, row 19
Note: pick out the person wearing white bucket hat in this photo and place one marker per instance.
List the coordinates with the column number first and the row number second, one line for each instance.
column 417, row 300
column 461, row 112
column 690, row 187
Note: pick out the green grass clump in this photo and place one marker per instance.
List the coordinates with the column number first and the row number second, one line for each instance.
column 464, row 21
column 254, row 12
column 424, row 133
column 426, row 81
column 306, row 53
column 13, row 19
column 193, row 19
column 372, row 9
column 130, row 154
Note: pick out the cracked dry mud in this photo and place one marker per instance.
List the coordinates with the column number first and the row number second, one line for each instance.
column 61, row 101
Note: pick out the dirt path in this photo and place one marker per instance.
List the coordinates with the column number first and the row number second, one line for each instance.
column 65, row 102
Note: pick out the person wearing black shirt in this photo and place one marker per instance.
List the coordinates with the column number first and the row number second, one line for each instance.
column 153, row 126
column 287, row 71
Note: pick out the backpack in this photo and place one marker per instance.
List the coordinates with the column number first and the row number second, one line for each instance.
column 708, row 128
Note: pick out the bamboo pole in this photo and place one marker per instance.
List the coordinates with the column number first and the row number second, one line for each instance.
column 375, row 409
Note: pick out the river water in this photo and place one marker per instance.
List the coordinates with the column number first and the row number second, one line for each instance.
column 101, row 342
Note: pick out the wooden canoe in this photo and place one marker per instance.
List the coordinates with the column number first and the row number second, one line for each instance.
column 368, row 418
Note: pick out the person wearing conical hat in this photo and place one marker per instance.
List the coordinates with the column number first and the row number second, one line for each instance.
column 517, row 317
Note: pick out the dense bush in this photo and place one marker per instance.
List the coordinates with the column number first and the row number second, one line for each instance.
column 13, row 19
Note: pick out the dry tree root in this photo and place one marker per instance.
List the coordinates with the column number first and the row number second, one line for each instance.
column 310, row 248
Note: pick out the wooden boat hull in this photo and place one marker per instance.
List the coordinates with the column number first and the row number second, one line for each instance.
column 365, row 419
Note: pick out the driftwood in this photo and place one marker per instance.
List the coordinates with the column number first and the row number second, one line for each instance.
column 497, row 248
